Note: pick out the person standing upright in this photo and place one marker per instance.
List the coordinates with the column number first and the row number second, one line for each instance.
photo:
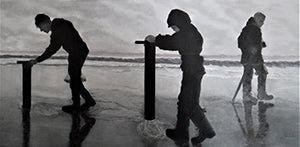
column 251, row 43
column 188, row 42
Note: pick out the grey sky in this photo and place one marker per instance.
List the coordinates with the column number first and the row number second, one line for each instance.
column 110, row 27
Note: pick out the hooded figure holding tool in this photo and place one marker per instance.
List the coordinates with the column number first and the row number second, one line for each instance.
column 188, row 42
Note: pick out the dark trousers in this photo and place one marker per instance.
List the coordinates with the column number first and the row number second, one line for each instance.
column 248, row 74
column 76, row 85
column 188, row 102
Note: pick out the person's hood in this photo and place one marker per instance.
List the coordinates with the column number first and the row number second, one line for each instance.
column 179, row 18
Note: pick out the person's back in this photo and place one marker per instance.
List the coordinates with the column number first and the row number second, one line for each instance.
column 188, row 41
column 64, row 32
column 250, row 43
column 190, row 51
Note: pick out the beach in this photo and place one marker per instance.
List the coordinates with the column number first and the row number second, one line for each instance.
column 119, row 120
column 115, row 74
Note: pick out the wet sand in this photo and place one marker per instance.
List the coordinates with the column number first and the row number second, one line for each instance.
column 118, row 113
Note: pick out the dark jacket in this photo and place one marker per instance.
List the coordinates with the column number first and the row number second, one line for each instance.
column 188, row 41
column 250, row 43
column 64, row 34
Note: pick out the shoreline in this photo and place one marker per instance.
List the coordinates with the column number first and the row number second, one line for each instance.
column 171, row 61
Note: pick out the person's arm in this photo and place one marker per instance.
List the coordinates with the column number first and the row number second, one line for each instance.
column 51, row 49
column 167, row 42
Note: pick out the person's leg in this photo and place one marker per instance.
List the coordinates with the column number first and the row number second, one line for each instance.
column 247, row 79
column 74, row 71
column 89, row 101
column 205, row 128
column 261, row 87
column 248, row 73
column 85, row 94
column 74, row 85
column 198, row 117
column 182, row 124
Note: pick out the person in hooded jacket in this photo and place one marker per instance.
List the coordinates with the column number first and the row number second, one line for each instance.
column 63, row 34
column 251, row 43
column 188, row 42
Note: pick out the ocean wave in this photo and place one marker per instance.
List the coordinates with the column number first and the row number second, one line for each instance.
column 8, row 59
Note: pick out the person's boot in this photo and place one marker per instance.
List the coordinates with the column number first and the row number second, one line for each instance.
column 85, row 106
column 181, row 138
column 75, row 107
column 71, row 108
column 205, row 131
column 247, row 95
column 261, row 88
column 262, row 95
column 248, row 98
column 180, row 135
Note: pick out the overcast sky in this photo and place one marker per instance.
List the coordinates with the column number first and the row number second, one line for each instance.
column 110, row 27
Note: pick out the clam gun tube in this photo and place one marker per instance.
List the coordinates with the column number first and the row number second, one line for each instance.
column 26, row 84
column 149, row 80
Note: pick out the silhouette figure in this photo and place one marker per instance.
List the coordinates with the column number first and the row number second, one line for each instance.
column 251, row 43
column 257, row 140
column 63, row 34
column 188, row 41
column 78, row 134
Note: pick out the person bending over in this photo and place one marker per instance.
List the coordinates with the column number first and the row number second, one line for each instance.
column 63, row 34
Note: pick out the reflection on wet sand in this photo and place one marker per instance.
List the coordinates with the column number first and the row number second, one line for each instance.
column 258, row 139
column 78, row 134
column 255, row 139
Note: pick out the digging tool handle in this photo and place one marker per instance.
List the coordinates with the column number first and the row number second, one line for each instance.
column 140, row 42
column 238, row 89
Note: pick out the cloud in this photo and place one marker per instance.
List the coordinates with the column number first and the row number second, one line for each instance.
column 111, row 27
